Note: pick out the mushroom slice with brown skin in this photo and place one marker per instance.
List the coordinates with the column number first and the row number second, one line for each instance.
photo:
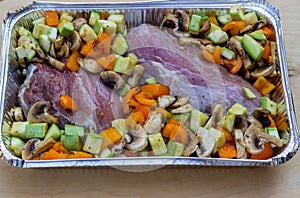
column 154, row 123
column 240, row 126
column 40, row 52
column 137, row 74
column 261, row 115
column 259, row 25
column 139, row 140
column 215, row 117
column 205, row 26
column 58, row 42
column 17, row 113
column 181, row 100
column 78, row 22
column 180, row 34
column 39, row 113
column 112, row 79
column 235, row 45
column 90, row 65
column 55, row 63
column 64, row 50
column 266, row 71
column 34, row 147
column 255, row 139
column 52, row 51
column 165, row 101
column 202, row 143
column 183, row 19
column 183, row 109
column 75, row 41
column 190, row 41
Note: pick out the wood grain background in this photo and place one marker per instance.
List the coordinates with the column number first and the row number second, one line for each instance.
column 281, row 181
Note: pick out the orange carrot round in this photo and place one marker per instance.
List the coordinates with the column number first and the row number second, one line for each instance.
column 228, row 150
column 155, row 90
column 234, row 26
column 265, row 154
column 145, row 98
column 67, row 102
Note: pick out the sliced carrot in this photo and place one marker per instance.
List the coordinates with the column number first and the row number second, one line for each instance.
column 104, row 43
column 237, row 65
column 67, row 102
column 266, row 53
column 267, row 32
column 272, row 122
column 53, row 154
column 107, row 62
column 59, row 147
column 227, row 150
column 144, row 109
column 265, row 154
column 135, row 118
column 51, row 18
column 167, row 130
column 208, row 56
column 87, row 47
column 263, row 85
column 217, row 55
column 172, row 121
column 72, row 63
column 126, row 100
column 79, row 154
column 145, row 98
column 133, row 102
column 234, row 26
column 179, row 134
column 212, row 18
column 228, row 136
column 155, row 90
column 110, row 136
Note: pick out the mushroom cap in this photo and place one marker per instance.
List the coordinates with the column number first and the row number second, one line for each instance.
column 253, row 144
column 34, row 147
column 183, row 19
column 39, row 113
column 240, row 122
column 112, row 79
column 90, row 65
column 154, row 123
column 205, row 26
column 261, row 115
column 75, row 41
column 139, row 140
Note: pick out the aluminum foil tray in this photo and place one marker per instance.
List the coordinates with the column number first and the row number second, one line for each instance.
column 136, row 13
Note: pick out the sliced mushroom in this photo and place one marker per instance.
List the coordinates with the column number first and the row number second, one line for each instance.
column 259, row 25
column 139, row 140
column 40, row 52
column 64, row 51
column 165, row 101
column 247, row 62
column 173, row 18
column 202, row 143
column 37, row 60
column 90, row 65
column 235, row 45
column 52, row 51
column 39, row 113
column 17, row 113
column 240, row 126
column 181, row 100
column 58, row 42
column 253, row 120
column 78, row 22
column 75, row 41
column 190, row 41
column 180, row 34
column 183, row 109
column 23, row 40
column 247, row 28
column 55, row 63
column 261, row 115
column 205, row 26
column 154, row 123
column 255, row 139
column 137, row 74
column 34, row 147
column 215, row 117
column 183, row 19
column 112, row 79
column 266, row 71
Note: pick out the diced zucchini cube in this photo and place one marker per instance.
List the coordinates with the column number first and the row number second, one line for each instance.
column 268, row 104
column 71, row 142
column 250, row 18
column 227, row 53
column 93, row 143
column 120, row 125
column 237, row 13
column 95, row 15
column 122, row 65
column 109, row 27
column 175, row 148
column 18, row 129
column 197, row 119
column 37, row 130
column 17, row 145
column 45, row 43
column 195, row 23
column 65, row 28
column 119, row 45
column 157, row 144
column 248, row 93
column 224, row 19
column 106, row 153
column 119, row 19
column 65, row 16
column 53, row 132
column 237, row 109
column 74, row 130
column 218, row 36
column 219, row 138
column 87, row 33
column 252, row 47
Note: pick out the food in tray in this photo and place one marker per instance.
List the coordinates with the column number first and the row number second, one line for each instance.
column 206, row 83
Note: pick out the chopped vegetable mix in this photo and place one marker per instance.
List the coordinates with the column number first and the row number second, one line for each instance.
column 155, row 121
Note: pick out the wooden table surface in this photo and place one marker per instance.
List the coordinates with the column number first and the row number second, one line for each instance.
column 281, row 181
